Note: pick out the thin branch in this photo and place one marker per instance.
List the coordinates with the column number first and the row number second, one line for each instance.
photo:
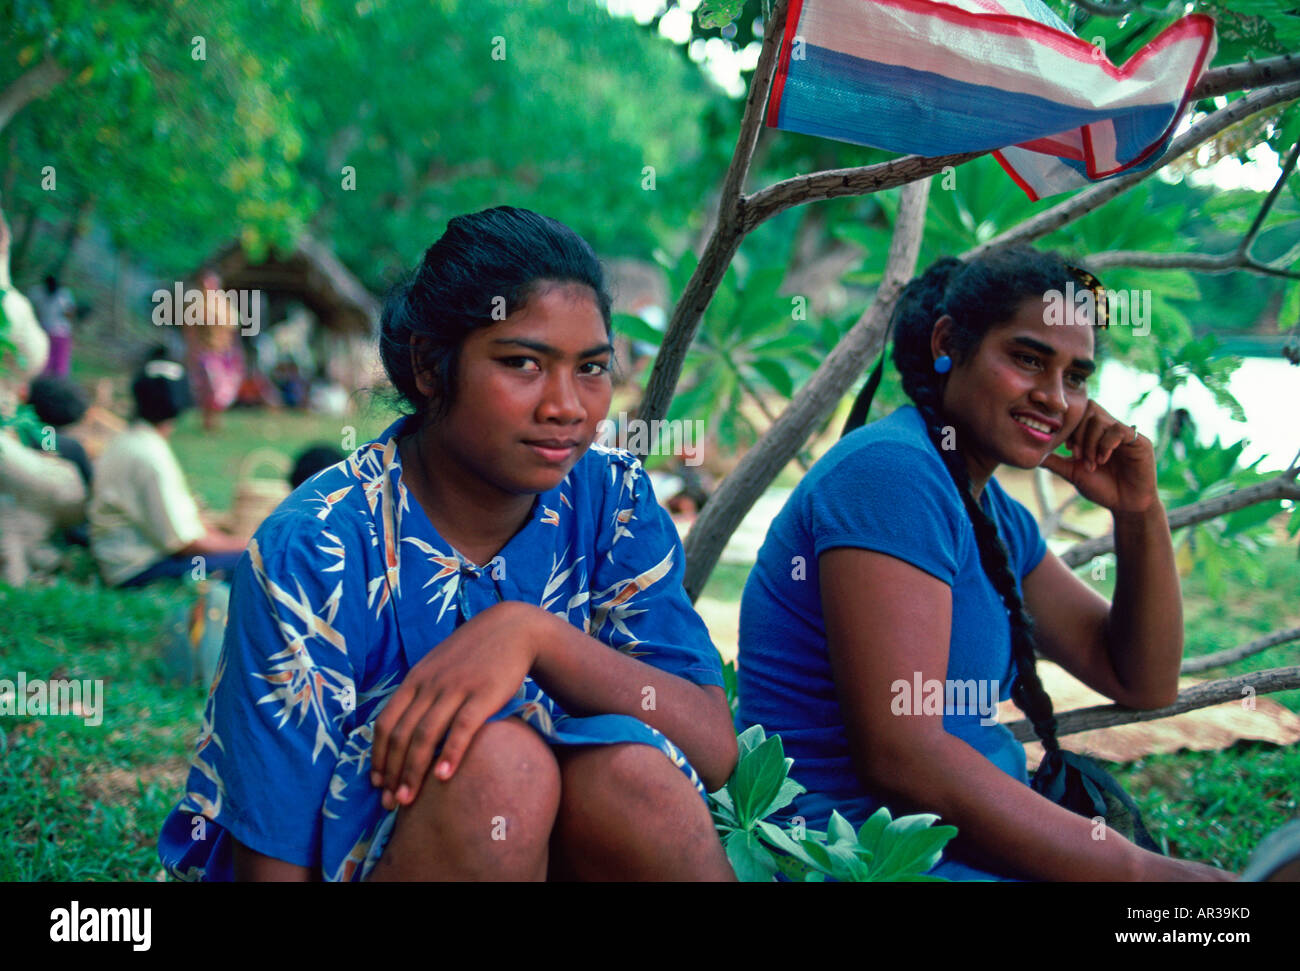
column 812, row 403
column 1189, row 699
column 725, row 238
column 1053, row 524
column 1287, row 168
column 833, row 183
column 1118, row 9
column 1267, row 72
column 30, row 86
column 1197, row 262
column 1050, row 220
column 1219, row 658
column 1281, row 487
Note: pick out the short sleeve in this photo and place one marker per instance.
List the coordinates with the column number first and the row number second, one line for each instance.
column 890, row 498
column 1020, row 532
column 283, row 696
column 638, row 602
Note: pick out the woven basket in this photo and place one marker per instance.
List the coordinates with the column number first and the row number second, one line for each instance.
column 256, row 497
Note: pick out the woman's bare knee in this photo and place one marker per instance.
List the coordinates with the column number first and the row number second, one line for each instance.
column 491, row 820
column 626, row 812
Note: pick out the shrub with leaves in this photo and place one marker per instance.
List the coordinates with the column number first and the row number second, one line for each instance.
column 883, row 848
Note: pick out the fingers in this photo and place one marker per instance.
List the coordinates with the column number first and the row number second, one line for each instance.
column 1090, row 440
column 1114, row 436
column 413, row 743
column 386, row 721
column 1062, row 466
column 469, row 720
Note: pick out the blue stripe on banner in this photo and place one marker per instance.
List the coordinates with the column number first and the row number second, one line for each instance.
column 900, row 109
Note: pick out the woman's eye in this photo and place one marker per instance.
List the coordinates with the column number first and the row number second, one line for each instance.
column 596, row 367
column 1077, row 380
column 521, row 363
column 1028, row 359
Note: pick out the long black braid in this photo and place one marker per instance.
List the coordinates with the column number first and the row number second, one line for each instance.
column 977, row 295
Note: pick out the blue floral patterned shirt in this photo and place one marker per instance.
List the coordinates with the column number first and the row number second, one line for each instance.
column 345, row 587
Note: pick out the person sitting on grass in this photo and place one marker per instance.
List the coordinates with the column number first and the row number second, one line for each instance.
column 59, row 404
column 900, row 559
column 144, row 522
column 465, row 653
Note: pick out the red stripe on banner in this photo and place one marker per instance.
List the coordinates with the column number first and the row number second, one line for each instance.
column 1205, row 23
column 1067, row 44
column 1015, row 176
column 1046, row 146
column 783, row 63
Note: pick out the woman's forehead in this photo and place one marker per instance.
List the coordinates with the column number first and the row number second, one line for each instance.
column 561, row 315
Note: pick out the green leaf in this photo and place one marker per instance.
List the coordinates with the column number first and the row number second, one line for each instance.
column 789, row 791
column 838, row 829
column 750, row 739
column 869, row 834
column 632, row 326
column 914, row 853
column 749, row 858
column 818, row 853
column 718, row 13
column 898, row 830
column 758, row 780
column 776, row 375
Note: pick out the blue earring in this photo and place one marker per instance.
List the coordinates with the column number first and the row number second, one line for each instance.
column 942, row 364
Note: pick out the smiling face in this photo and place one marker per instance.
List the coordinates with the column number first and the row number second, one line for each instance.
column 1020, row 393
column 531, row 391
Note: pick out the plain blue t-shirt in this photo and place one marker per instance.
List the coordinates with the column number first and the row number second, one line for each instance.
column 883, row 487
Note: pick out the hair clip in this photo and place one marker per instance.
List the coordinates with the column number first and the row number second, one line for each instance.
column 1098, row 293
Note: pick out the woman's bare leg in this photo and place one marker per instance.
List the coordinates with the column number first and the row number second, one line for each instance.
column 491, row 821
column 627, row 813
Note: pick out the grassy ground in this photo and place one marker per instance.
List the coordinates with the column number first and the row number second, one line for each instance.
column 85, row 803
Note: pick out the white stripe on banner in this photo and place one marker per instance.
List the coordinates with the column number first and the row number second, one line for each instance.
column 1060, row 68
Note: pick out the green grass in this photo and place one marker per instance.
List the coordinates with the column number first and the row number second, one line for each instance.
column 86, row 803
column 81, row 802
column 212, row 460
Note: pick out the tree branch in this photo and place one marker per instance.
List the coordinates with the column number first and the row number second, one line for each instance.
column 833, row 183
column 30, row 86
column 1267, row 72
column 1219, row 658
column 1287, row 168
column 1282, row 487
column 1197, row 262
column 724, row 240
column 1189, row 699
column 1117, row 9
column 1240, row 258
column 811, row 404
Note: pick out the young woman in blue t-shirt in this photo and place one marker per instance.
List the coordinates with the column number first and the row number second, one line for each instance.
column 900, row 562
column 465, row 651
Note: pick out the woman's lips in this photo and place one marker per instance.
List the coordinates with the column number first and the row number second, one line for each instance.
column 1041, row 437
column 554, row 452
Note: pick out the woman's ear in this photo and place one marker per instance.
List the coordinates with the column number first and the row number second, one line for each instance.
column 424, row 379
column 941, row 337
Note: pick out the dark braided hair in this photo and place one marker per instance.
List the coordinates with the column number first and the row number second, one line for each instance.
column 977, row 296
